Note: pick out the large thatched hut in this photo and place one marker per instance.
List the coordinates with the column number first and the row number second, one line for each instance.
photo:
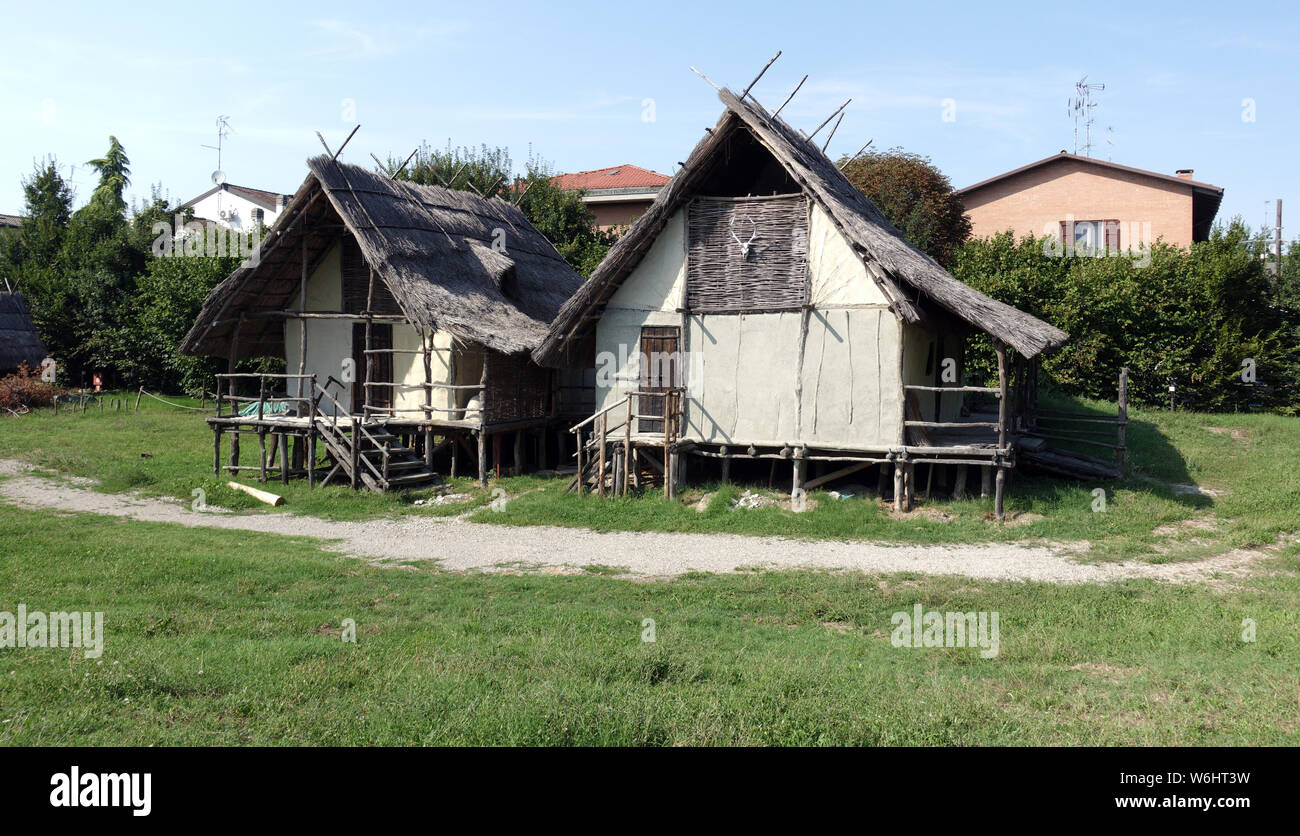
column 19, row 343
column 764, row 308
column 405, row 315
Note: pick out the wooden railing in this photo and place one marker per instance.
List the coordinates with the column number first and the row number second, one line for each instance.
column 624, row 472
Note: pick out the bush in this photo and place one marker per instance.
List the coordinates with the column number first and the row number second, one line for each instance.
column 25, row 390
column 1194, row 315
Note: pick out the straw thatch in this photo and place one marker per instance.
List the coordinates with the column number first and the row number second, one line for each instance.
column 433, row 248
column 909, row 278
column 19, row 342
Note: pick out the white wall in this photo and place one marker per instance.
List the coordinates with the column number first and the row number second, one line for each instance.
column 329, row 343
column 743, row 370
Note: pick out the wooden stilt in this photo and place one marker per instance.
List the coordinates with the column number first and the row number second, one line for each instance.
column 986, row 479
column 234, row 452
column 959, row 483
column 726, row 466
column 899, row 468
column 482, row 458
column 261, row 458
column 216, row 451
column 882, row 480
column 519, row 453
column 1001, row 481
column 797, row 488
column 909, row 486
column 284, row 458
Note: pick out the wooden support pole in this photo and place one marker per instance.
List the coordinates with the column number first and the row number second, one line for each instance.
column 370, row 358
column 600, row 452
column 578, row 435
column 519, row 453
column 216, row 451
column 797, row 486
column 482, row 457
column 284, row 458
column 986, row 479
column 899, row 470
column 1004, row 408
column 302, row 323
column 882, row 480
column 1121, row 451
column 959, row 483
column 1001, row 482
column 261, row 458
column 909, row 486
column 234, row 453
column 726, row 466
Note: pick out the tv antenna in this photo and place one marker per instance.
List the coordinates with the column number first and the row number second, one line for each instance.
column 1080, row 106
column 219, row 176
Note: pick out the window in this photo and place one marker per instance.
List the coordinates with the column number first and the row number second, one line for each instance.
column 1091, row 237
column 259, row 216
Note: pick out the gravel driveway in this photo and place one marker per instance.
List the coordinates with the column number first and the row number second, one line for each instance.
column 457, row 544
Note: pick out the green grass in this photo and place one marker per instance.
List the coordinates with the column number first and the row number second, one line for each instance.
column 222, row 637
column 1258, row 473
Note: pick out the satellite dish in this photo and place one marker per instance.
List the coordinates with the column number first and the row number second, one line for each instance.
column 219, row 177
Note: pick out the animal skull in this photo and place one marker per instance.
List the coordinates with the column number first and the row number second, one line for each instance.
column 744, row 245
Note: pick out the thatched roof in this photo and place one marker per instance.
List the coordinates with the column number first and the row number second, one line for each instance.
column 431, row 247
column 19, row 342
column 910, row 279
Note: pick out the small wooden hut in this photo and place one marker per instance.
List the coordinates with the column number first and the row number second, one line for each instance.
column 19, row 343
column 764, row 308
column 405, row 315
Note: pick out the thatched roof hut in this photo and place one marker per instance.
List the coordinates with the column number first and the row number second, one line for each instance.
column 912, row 281
column 453, row 261
column 19, row 342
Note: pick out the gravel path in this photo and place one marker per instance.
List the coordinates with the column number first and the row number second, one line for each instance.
column 457, row 544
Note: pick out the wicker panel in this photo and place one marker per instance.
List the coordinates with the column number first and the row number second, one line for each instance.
column 517, row 388
column 773, row 275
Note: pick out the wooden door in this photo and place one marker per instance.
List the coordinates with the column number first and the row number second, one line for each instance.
column 659, row 373
column 381, row 336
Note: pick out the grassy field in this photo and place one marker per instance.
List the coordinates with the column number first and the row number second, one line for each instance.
column 234, row 638
column 1252, row 461
column 220, row 637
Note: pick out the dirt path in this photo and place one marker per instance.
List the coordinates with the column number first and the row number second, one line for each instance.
column 458, row 544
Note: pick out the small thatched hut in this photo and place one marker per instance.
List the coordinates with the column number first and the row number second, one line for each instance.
column 19, row 342
column 402, row 311
column 763, row 307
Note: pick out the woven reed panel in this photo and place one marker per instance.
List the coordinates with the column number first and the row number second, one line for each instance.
column 720, row 277
column 517, row 388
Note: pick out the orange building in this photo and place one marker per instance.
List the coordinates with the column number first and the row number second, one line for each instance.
column 616, row 196
column 1094, row 203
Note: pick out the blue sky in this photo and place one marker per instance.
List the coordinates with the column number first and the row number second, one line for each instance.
column 570, row 81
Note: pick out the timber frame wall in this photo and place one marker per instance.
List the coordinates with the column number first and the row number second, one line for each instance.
column 515, row 398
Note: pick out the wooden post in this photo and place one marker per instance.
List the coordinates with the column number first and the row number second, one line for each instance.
column 370, row 358
column 986, row 480
column 796, row 489
column 668, row 468
column 216, row 450
column 909, row 486
column 600, row 466
column 284, row 458
column 482, row 457
column 427, row 339
column 882, row 480
column 1001, row 489
column 578, row 435
column 261, row 458
column 899, row 469
column 1004, row 408
column 1121, row 451
column 356, row 451
column 311, row 435
column 302, row 323
column 726, row 466
column 627, row 446
column 959, row 483
column 138, row 393
column 234, row 452
column 519, row 452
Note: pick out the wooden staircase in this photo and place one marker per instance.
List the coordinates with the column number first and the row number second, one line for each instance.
column 368, row 455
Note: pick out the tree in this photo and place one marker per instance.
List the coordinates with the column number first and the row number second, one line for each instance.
column 114, row 171
column 916, row 197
